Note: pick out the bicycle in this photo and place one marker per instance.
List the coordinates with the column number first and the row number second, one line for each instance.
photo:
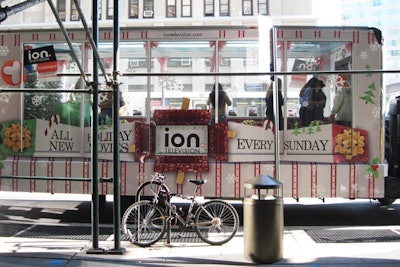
column 145, row 222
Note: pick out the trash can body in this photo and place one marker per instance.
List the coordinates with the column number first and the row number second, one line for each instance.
column 263, row 229
column 263, row 220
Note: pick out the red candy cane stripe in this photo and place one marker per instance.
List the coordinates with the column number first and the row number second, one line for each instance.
column 371, row 186
column 295, row 180
column 15, row 173
column 86, row 174
column 314, row 180
column 54, row 119
column 371, row 37
column 32, row 169
column 352, row 181
column 237, row 179
column 333, row 180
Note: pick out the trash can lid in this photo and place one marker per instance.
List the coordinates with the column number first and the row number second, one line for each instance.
column 262, row 182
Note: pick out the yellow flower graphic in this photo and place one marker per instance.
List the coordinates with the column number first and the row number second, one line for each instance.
column 350, row 143
column 17, row 138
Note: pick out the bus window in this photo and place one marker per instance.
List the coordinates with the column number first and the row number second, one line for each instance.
column 193, row 56
column 315, row 56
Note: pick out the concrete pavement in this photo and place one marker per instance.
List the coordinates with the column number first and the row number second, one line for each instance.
column 312, row 246
column 298, row 247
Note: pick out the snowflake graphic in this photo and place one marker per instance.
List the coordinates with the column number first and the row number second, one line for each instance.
column 4, row 50
column 102, row 97
column 375, row 47
column 336, row 81
column 376, row 112
column 73, row 67
column 340, row 82
column 364, row 55
column 166, row 81
column 230, row 178
column 310, row 60
column 231, row 91
column 5, row 97
column 331, row 81
column 36, row 100
column 309, row 64
column 177, row 86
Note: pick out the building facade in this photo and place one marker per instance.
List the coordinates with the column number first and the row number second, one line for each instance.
column 168, row 12
column 382, row 14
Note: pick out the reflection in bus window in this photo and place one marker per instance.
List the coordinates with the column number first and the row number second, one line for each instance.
column 315, row 56
column 192, row 56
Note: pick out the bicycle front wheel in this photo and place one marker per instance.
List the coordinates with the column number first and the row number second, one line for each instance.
column 216, row 222
column 144, row 223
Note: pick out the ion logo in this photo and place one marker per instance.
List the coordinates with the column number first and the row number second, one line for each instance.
column 39, row 55
column 181, row 140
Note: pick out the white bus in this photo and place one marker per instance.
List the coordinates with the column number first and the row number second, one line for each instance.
column 166, row 77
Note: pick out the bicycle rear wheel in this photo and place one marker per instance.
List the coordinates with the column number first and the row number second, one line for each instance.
column 144, row 223
column 216, row 222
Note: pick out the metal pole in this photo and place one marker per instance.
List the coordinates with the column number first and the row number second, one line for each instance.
column 7, row 11
column 216, row 95
column 116, row 103
column 94, row 133
column 93, row 40
column 71, row 47
column 47, row 178
column 276, row 117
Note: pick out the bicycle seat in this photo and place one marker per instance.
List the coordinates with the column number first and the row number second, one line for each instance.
column 198, row 182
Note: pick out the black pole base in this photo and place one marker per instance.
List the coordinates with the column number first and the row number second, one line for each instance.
column 95, row 251
column 115, row 251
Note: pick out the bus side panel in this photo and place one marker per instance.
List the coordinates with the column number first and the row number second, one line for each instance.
column 367, row 111
column 224, row 179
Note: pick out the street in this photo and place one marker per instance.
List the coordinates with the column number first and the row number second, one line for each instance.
column 47, row 230
column 69, row 216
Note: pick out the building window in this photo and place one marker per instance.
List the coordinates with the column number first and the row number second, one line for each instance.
column 74, row 12
column 208, row 7
column 110, row 9
column 377, row 3
column 247, row 7
column 224, row 7
column 61, row 9
column 148, row 10
column 186, row 8
column 263, row 7
column 171, row 9
column 100, row 5
column 133, row 9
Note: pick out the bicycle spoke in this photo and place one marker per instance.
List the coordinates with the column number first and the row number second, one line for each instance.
column 144, row 223
column 216, row 222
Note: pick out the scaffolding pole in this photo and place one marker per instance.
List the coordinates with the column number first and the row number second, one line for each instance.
column 95, row 211
column 7, row 11
column 116, row 103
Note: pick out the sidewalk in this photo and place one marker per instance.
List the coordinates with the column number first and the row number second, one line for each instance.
column 299, row 250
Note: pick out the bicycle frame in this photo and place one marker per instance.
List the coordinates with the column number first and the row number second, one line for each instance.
column 159, row 178
column 145, row 221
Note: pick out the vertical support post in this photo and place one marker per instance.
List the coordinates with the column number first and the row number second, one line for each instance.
column 276, row 115
column 94, row 134
column 116, row 103
column 169, row 230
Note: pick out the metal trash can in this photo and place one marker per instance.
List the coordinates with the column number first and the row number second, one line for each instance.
column 263, row 224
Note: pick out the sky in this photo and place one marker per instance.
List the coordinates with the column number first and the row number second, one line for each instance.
column 328, row 10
